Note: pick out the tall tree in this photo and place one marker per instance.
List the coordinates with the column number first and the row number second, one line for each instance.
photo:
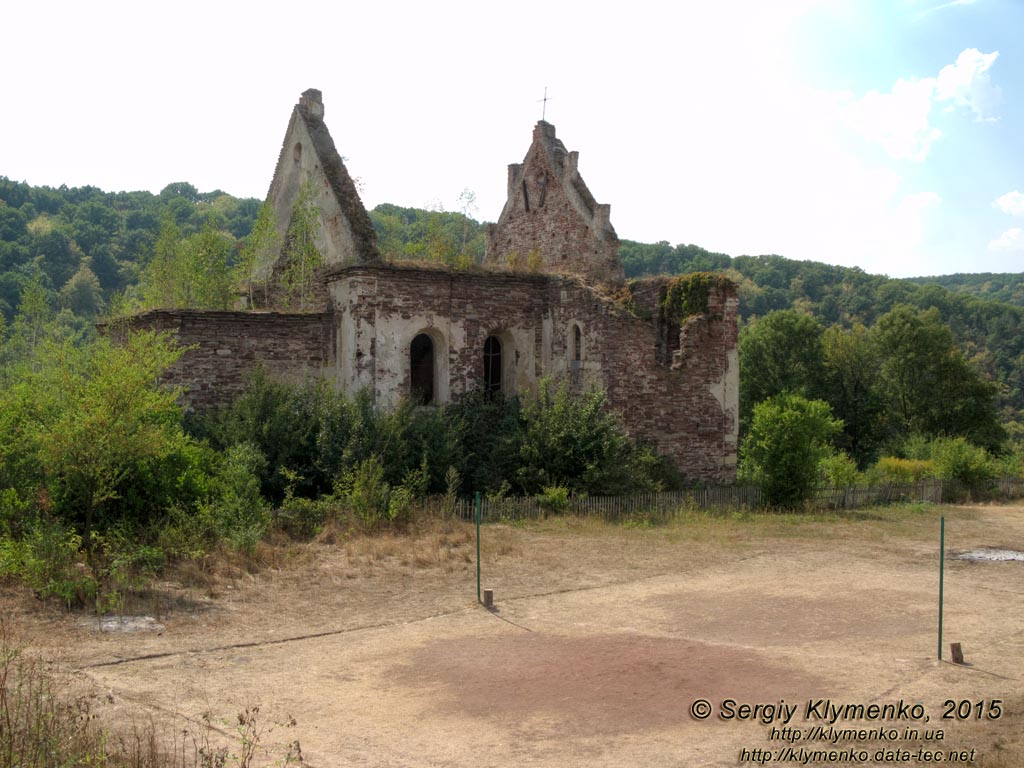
column 852, row 387
column 780, row 352
column 257, row 257
column 928, row 384
column 301, row 256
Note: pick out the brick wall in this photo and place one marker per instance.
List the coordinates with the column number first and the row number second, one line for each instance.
column 550, row 212
column 229, row 345
column 683, row 403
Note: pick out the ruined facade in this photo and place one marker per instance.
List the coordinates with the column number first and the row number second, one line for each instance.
column 550, row 300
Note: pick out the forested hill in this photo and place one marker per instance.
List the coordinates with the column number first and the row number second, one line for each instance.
column 1004, row 286
column 89, row 244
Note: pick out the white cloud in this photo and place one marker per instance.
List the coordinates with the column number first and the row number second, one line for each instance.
column 1010, row 240
column 898, row 120
column 967, row 83
column 1011, row 203
column 901, row 120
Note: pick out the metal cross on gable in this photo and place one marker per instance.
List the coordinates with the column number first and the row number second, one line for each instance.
column 544, row 109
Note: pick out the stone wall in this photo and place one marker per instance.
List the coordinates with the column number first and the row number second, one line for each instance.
column 685, row 403
column 230, row 345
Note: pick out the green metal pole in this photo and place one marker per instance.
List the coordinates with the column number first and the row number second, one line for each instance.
column 478, row 546
column 942, row 565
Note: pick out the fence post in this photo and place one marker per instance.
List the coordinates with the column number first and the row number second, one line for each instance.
column 942, row 563
column 477, row 504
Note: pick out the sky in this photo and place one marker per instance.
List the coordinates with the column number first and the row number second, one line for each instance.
column 882, row 134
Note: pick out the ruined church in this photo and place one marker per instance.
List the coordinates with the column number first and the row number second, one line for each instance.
column 549, row 300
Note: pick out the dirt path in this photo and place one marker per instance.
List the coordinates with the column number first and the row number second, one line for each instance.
column 602, row 640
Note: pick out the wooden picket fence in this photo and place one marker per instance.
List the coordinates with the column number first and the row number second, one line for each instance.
column 669, row 504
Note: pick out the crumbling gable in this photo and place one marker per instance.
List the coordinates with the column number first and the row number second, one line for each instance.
column 550, row 221
column 344, row 232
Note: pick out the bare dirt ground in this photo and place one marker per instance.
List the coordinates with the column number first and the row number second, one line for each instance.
column 373, row 651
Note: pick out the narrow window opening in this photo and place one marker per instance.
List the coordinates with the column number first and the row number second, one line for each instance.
column 421, row 366
column 492, row 365
column 297, row 152
column 577, row 343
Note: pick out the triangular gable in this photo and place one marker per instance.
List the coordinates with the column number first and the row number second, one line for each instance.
column 551, row 221
column 345, row 233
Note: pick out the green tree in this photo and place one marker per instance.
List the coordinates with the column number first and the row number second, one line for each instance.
column 193, row 272
column 781, row 352
column 852, row 386
column 572, row 440
column 206, row 270
column 161, row 276
column 257, row 257
column 301, row 256
column 82, row 293
column 789, row 436
column 34, row 313
column 94, row 414
column 928, row 385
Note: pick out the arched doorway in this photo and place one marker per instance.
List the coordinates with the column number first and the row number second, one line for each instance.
column 492, row 365
column 421, row 369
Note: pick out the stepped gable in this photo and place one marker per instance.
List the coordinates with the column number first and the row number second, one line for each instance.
column 551, row 220
column 346, row 234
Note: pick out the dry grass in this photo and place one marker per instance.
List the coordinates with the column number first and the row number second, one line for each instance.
column 442, row 545
column 44, row 724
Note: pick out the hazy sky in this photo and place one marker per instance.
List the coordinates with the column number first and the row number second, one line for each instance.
column 884, row 134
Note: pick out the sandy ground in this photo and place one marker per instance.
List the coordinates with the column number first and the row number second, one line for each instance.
column 374, row 652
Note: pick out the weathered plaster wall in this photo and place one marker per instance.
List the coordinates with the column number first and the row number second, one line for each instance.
column 299, row 162
column 685, row 403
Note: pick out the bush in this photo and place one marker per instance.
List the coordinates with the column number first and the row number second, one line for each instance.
column 301, row 518
column 972, row 466
column 789, row 436
column 837, row 470
column 554, row 500
column 236, row 511
column 892, row 469
column 47, row 559
column 572, row 440
column 88, row 430
column 315, row 434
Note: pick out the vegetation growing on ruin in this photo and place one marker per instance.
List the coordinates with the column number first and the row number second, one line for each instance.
column 688, row 295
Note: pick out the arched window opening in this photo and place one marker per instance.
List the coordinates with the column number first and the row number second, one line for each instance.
column 492, row 365
column 577, row 343
column 421, row 368
column 297, row 152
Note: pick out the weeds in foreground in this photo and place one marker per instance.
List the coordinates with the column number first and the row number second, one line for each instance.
column 40, row 727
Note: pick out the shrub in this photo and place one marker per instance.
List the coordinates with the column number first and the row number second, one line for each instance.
column 837, row 470
column 47, row 559
column 554, row 499
column 367, row 493
column 302, row 518
column 892, row 469
column 572, row 440
column 789, row 435
column 956, row 459
column 236, row 510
